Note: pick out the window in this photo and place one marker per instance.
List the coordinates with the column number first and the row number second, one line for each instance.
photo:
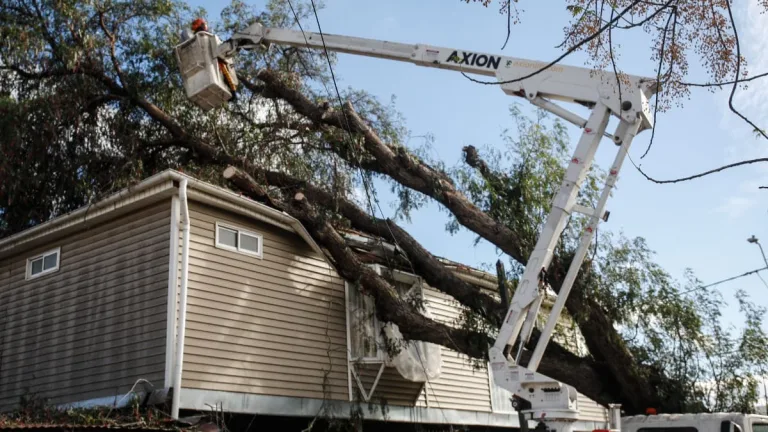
column 46, row 262
column 364, row 327
column 238, row 240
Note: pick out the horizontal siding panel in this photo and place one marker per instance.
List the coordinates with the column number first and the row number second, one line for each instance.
column 97, row 324
column 153, row 249
column 277, row 347
column 121, row 347
column 274, row 372
column 87, row 369
column 78, row 240
column 251, row 323
column 285, row 314
column 591, row 410
column 288, row 359
column 460, row 386
column 254, row 302
column 90, row 290
column 91, row 342
column 109, row 297
column 263, row 266
column 147, row 304
column 308, row 391
column 273, row 326
column 119, row 328
column 256, row 273
column 322, row 292
column 267, row 294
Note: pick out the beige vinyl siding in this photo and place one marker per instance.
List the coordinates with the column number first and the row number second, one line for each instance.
column 392, row 388
column 95, row 326
column 460, row 386
column 271, row 326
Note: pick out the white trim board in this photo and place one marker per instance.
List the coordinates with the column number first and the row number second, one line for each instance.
column 244, row 403
column 173, row 290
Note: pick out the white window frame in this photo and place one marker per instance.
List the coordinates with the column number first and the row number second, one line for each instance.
column 239, row 231
column 397, row 275
column 28, row 274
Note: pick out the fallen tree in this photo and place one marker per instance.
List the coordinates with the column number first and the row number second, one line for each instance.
column 101, row 83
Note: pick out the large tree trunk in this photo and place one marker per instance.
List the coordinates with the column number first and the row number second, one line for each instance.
column 603, row 340
column 558, row 363
column 596, row 378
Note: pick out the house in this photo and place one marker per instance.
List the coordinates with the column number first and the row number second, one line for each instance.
column 92, row 303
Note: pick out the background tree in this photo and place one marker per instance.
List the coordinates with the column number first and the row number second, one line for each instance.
column 93, row 102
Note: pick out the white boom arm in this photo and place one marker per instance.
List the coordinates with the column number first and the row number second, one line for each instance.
column 597, row 90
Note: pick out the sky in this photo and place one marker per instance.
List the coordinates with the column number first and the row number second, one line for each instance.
column 701, row 224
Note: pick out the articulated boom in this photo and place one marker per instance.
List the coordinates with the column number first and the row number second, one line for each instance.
column 209, row 80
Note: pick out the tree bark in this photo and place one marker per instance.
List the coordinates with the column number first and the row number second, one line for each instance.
column 602, row 339
column 409, row 171
column 559, row 363
column 390, row 306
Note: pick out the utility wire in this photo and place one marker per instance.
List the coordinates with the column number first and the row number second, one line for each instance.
column 565, row 54
column 338, row 94
column 719, row 84
column 701, row 174
column 349, row 134
column 738, row 71
column 726, row 280
column 762, row 280
column 658, row 79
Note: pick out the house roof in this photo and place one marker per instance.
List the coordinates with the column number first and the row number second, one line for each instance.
column 159, row 186
column 164, row 184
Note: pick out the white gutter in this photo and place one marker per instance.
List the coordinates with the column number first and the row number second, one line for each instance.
column 184, row 227
column 86, row 212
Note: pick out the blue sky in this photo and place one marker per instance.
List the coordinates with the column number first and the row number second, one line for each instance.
column 702, row 224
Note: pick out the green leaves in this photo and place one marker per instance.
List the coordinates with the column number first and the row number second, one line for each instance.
column 670, row 326
column 574, row 9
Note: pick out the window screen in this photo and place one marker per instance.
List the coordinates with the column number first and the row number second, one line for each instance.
column 238, row 240
column 227, row 237
column 249, row 243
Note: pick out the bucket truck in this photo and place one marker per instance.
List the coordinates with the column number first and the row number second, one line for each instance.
column 209, row 78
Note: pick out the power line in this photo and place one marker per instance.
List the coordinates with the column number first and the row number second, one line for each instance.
column 701, row 174
column 658, row 78
column 726, row 280
column 738, row 70
column 565, row 54
column 346, row 120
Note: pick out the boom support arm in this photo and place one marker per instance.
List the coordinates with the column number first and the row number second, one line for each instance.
column 562, row 83
column 203, row 54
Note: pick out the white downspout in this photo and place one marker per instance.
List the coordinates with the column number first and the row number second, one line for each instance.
column 184, row 227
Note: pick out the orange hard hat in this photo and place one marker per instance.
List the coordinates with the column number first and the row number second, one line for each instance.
column 199, row 25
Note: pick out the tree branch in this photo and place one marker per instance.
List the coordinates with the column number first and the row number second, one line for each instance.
column 390, row 306
column 404, row 168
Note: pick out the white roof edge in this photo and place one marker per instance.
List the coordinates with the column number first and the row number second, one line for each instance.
column 271, row 215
